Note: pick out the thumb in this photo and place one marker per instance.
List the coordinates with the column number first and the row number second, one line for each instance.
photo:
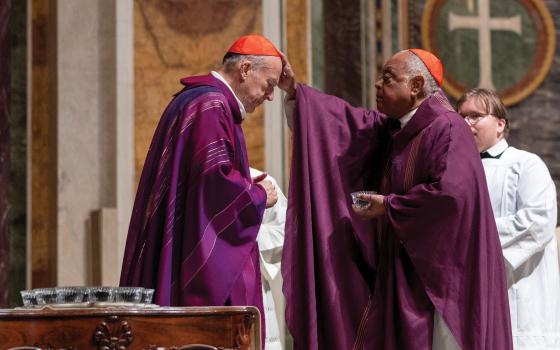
column 260, row 177
column 366, row 196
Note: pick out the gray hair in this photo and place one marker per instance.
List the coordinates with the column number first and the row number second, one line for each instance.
column 417, row 68
column 231, row 59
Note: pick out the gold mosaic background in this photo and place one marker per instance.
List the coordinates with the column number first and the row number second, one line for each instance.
column 175, row 39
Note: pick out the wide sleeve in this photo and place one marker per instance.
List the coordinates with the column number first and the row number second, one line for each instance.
column 352, row 130
column 323, row 264
column 527, row 231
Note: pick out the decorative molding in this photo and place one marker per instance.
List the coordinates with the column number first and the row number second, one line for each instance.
column 113, row 338
column 243, row 338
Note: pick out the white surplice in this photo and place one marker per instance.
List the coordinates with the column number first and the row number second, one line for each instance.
column 523, row 199
column 271, row 242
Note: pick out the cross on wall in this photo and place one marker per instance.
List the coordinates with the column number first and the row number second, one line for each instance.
column 485, row 24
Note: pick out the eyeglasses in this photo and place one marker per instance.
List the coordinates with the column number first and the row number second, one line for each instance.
column 474, row 118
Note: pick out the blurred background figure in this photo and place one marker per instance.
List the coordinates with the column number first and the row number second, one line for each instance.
column 271, row 242
column 523, row 199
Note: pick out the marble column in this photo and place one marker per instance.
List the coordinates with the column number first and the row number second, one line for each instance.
column 91, row 103
column 4, row 150
column 342, row 46
column 41, row 262
column 275, row 128
column 18, row 150
column 174, row 39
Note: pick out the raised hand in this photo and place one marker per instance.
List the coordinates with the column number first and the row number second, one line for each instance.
column 287, row 77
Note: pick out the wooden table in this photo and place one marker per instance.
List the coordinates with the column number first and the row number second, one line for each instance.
column 130, row 328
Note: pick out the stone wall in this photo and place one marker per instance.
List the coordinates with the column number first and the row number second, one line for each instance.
column 4, row 149
column 13, row 148
column 535, row 120
column 18, row 149
column 42, row 172
column 175, row 39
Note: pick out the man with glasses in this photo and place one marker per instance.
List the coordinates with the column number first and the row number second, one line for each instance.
column 523, row 199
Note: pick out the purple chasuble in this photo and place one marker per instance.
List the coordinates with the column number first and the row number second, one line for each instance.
column 196, row 216
column 375, row 284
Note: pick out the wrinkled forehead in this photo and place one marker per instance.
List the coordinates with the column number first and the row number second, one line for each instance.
column 272, row 67
column 273, row 64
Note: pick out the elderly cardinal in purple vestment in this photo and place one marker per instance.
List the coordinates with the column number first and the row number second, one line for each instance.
column 420, row 266
column 193, row 231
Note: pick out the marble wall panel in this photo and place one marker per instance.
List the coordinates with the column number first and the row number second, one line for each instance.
column 298, row 37
column 298, row 43
column 342, row 50
column 18, row 150
column 535, row 121
column 85, row 129
column 43, row 164
column 4, row 150
column 175, row 39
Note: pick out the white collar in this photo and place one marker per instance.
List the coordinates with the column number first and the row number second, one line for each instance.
column 220, row 78
column 498, row 148
column 406, row 118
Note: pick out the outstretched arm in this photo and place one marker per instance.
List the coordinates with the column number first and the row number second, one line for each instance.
column 288, row 81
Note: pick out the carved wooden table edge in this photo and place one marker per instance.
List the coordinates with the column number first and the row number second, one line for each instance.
column 108, row 337
column 123, row 311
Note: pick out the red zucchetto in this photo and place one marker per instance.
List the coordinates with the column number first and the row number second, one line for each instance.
column 432, row 63
column 254, row 44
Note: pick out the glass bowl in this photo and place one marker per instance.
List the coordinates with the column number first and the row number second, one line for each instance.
column 358, row 202
column 45, row 296
column 28, row 298
column 147, row 296
column 69, row 295
column 100, row 294
column 128, row 294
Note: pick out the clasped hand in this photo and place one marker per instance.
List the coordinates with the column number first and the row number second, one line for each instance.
column 268, row 186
